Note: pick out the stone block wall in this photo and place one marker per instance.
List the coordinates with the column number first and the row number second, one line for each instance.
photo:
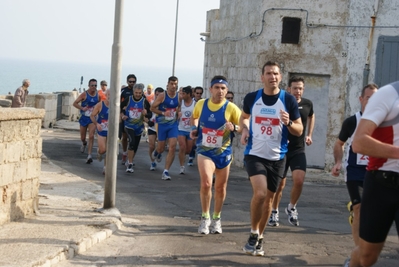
column 69, row 112
column 49, row 102
column 20, row 161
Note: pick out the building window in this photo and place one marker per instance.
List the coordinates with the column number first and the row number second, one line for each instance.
column 291, row 30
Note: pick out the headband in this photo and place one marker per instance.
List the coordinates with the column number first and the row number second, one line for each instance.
column 219, row 81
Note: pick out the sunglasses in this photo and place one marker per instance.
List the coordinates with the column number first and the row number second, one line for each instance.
column 131, row 81
column 229, row 98
column 93, row 85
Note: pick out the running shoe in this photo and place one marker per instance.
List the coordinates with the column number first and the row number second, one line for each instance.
column 83, row 147
column 153, row 166
column 124, row 159
column 157, row 156
column 204, row 226
column 166, row 176
column 130, row 168
column 181, row 169
column 250, row 246
column 190, row 162
column 347, row 261
column 216, row 226
column 292, row 216
column 89, row 159
column 259, row 248
column 274, row 219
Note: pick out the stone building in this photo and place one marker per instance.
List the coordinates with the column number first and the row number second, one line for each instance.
column 338, row 46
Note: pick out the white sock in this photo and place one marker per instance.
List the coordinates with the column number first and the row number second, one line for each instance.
column 290, row 206
column 255, row 232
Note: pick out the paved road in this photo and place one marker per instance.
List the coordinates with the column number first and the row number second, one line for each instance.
column 161, row 219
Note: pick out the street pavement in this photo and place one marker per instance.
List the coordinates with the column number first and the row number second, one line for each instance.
column 158, row 220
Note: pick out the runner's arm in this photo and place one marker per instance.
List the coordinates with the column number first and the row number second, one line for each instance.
column 244, row 126
column 311, row 122
column 155, row 105
column 80, row 98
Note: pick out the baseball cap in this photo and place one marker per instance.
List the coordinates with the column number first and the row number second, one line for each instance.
column 103, row 83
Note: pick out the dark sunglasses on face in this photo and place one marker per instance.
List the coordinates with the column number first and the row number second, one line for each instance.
column 93, row 85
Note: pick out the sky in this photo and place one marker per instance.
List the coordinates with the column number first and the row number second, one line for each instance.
column 82, row 31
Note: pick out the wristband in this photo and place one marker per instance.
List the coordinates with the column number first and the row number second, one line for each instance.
column 193, row 128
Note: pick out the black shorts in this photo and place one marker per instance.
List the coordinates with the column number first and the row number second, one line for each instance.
column 133, row 139
column 295, row 161
column 121, row 129
column 151, row 132
column 355, row 190
column 380, row 205
column 272, row 170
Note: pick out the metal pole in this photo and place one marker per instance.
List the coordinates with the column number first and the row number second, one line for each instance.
column 174, row 51
column 113, row 118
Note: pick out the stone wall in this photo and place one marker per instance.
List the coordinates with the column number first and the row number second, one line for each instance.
column 20, row 162
column 50, row 103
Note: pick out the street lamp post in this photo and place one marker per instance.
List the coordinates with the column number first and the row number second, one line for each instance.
column 174, row 50
column 113, row 122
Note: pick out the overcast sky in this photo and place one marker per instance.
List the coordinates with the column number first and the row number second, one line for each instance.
column 82, row 31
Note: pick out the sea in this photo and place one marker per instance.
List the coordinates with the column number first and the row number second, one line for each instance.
column 49, row 76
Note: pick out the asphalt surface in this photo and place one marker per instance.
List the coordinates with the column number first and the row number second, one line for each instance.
column 160, row 218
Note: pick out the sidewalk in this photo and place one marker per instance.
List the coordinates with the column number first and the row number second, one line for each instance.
column 67, row 223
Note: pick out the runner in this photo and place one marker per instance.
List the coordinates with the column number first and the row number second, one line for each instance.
column 166, row 107
column 152, row 132
column 101, row 122
column 88, row 100
column 212, row 121
column 184, row 139
column 268, row 115
column 133, row 112
column 296, row 157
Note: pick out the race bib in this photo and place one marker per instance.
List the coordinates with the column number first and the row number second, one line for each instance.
column 266, row 128
column 212, row 138
column 104, row 126
column 362, row 159
column 89, row 111
column 134, row 113
column 186, row 123
column 172, row 114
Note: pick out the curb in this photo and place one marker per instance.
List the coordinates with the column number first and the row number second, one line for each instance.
column 76, row 248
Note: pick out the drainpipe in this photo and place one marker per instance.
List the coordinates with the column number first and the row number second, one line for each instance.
column 366, row 70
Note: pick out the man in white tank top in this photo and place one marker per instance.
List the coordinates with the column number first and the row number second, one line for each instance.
column 183, row 137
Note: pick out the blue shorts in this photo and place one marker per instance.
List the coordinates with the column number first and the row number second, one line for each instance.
column 102, row 133
column 220, row 162
column 184, row 133
column 167, row 131
column 84, row 121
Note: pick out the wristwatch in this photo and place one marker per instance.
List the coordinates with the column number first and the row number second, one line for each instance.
column 289, row 123
column 235, row 128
